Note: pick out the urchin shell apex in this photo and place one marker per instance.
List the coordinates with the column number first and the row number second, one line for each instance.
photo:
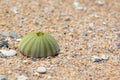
column 38, row 44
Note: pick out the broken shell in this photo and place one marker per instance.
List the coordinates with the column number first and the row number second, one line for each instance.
column 39, row 44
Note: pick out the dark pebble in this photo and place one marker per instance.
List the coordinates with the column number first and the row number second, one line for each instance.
column 3, row 79
column 34, row 59
column 4, row 44
column 118, row 46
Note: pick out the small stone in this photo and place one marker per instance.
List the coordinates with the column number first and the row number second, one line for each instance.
column 52, row 26
column 115, row 29
column 101, row 3
column 49, row 77
column 116, row 59
column 104, row 23
column 76, row 56
column 77, row 5
column 25, row 61
column 4, row 44
column 91, row 24
column 100, row 29
column 105, row 57
column 18, row 40
column 95, row 15
column 3, row 77
column 89, row 31
column 36, row 74
column 22, row 77
column 118, row 46
column 67, row 18
column 4, row 34
column 83, row 56
column 8, row 53
column 41, row 70
column 34, row 59
column 13, row 35
column 66, row 27
column 96, row 59
column 15, row 10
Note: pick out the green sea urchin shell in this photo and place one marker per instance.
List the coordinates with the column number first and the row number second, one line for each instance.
column 39, row 44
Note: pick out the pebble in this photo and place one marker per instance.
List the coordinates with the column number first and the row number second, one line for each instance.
column 76, row 56
column 95, row 15
column 104, row 23
column 96, row 59
column 13, row 35
column 105, row 57
column 15, row 10
column 77, row 5
column 67, row 18
column 22, row 77
column 8, row 53
column 49, row 77
column 41, row 70
column 18, row 40
column 25, row 61
column 3, row 77
column 4, row 44
column 114, row 28
column 89, row 31
column 91, row 24
column 4, row 34
column 66, row 27
column 100, row 29
column 36, row 74
column 101, row 3
column 118, row 46
column 34, row 59
column 116, row 59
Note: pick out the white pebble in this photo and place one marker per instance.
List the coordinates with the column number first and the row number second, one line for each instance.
column 101, row 3
column 22, row 77
column 89, row 31
column 91, row 24
column 18, row 40
column 104, row 23
column 95, row 15
column 105, row 57
column 15, row 10
column 25, row 61
column 96, row 58
column 77, row 5
column 41, row 69
column 8, row 53
column 36, row 74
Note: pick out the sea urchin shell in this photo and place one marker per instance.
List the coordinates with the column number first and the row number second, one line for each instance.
column 38, row 44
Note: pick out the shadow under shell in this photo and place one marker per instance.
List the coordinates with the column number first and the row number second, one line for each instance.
column 54, row 55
